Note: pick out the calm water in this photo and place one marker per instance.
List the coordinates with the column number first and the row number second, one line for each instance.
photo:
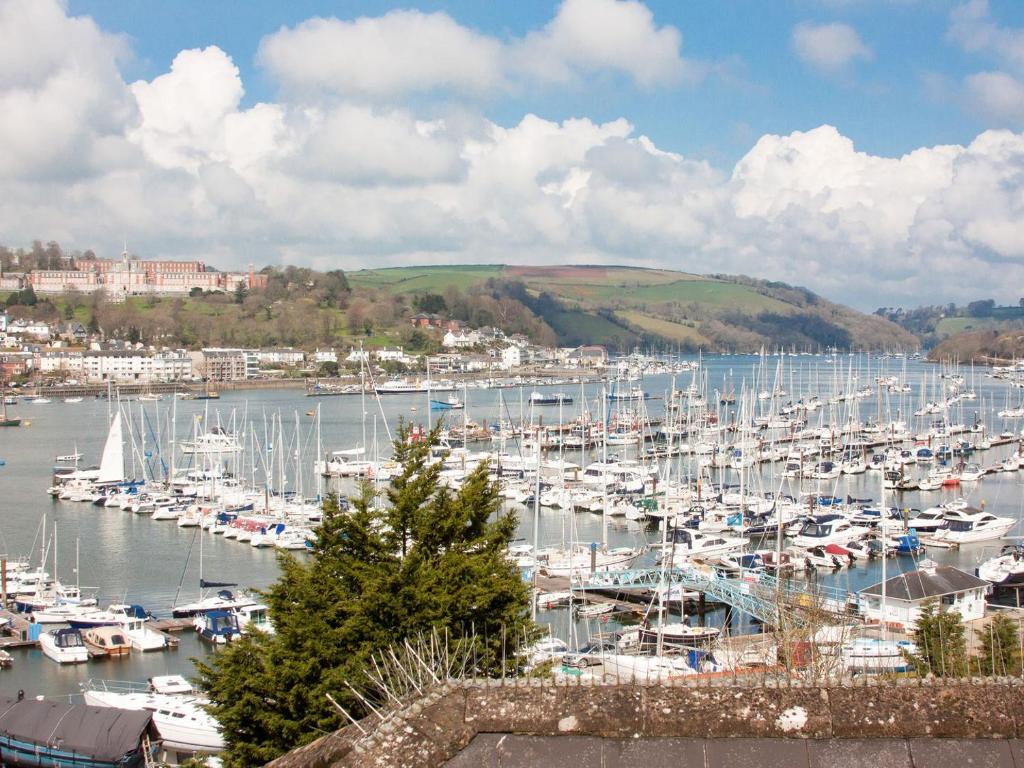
column 131, row 557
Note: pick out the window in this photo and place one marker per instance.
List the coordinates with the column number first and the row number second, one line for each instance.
column 948, row 600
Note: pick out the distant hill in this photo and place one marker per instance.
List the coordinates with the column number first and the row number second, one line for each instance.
column 621, row 307
column 981, row 346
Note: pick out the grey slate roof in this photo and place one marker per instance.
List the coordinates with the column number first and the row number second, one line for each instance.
column 917, row 585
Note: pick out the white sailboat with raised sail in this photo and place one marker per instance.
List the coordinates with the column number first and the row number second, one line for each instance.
column 111, row 468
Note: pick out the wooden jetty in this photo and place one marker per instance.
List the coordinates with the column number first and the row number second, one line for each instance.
column 17, row 628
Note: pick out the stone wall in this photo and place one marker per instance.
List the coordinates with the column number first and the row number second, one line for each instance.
column 437, row 727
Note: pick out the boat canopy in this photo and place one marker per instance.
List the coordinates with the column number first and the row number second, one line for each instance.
column 103, row 734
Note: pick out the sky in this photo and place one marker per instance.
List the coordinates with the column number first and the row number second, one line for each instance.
column 869, row 150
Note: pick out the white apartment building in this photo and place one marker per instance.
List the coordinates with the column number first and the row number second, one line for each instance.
column 136, row 365
column 282, row 356
column 511, row 357
column 325, row 356
column 397, row 355
column 53, row 362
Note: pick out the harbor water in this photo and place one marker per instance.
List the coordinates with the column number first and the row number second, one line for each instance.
column 132, row 558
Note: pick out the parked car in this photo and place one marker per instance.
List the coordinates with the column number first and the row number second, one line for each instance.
column 589, row 655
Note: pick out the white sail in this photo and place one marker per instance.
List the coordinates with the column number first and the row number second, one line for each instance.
column 112, row 463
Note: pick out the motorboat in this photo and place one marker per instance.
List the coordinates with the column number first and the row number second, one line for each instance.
column 215, row 442
column 106, row 641
column 928, row 520
column 582, row 560
column 1006, row 569
column 254, row 617
column 180, row 718
column 646, row 669
column 555, row 599
column 65, row 646
column 217, row 627
column 346, row 463
column 821, row 530
column 875, row 655
column 593, row 610
column 686, row 544
column 546, row 649
column 967, row 525
column 829, row 556
column 139, row 635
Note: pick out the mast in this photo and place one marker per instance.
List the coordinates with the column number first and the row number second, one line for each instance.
column 536, row 536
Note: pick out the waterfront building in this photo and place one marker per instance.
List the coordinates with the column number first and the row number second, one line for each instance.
column 281, row 356
column 906, row 594
column 136, row 365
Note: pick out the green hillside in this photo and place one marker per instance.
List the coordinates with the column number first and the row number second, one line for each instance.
column 625, row 306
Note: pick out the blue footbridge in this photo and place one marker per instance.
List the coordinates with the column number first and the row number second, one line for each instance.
column 770, row 600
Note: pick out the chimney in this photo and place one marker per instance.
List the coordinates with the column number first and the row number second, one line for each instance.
column 927, row 566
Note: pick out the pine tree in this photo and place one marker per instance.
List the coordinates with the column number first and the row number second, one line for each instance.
column 1000, row 647
column 427, row 559
column 941, row 643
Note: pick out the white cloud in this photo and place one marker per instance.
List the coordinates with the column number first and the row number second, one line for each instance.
column 828, row 48
column 181, row 168
column 356, row 145
column 63, row 102
column 613, row 35
column 993, row 95
column 972, row 27
column 409, row 51
column 997, row 95
column 396, row 53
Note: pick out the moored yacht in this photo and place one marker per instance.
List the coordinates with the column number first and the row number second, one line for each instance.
column 967, row 525
column 821, row 530
column 65, row 646
column 181, row 719
column 1006, row 569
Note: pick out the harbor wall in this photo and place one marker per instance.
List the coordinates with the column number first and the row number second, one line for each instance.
column 437, row 727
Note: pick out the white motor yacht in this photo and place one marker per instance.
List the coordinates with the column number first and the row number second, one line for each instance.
column 821, row 530
column 1006, row 569
column 967, row 525
column 180, row 718
column 685, row 544
column 928, row 520
column 65, row 646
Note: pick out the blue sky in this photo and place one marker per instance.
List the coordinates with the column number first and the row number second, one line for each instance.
column 884, row 104
column 871, row 151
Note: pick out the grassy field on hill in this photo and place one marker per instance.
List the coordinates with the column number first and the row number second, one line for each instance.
column 623, row 306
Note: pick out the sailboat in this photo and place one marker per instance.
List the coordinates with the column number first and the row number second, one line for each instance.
column 5, row 420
